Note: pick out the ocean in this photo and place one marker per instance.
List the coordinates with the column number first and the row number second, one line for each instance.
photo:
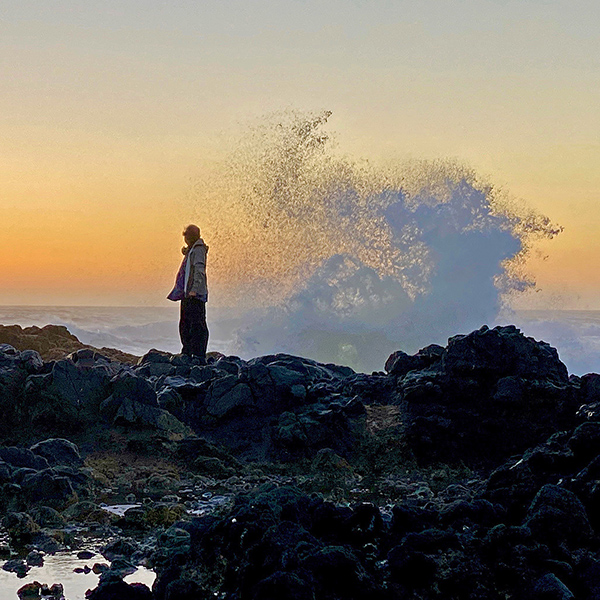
column 574, row 333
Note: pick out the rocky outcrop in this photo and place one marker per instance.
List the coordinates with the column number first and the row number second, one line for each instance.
column 54, row 342
column 487, row 395
column 522, row 521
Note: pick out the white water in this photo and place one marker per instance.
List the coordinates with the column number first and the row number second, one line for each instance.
column 326, row 257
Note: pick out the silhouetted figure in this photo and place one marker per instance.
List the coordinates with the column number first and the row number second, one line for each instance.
column 192, row 290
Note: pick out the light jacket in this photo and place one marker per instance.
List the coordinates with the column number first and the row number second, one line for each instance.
column 191, row 276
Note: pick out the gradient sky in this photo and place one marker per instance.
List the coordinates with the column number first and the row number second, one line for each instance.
column 110, row 110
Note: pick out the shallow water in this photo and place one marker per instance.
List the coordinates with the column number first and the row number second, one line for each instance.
column 59, row 568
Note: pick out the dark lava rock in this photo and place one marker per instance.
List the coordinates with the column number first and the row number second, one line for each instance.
column 35, row 559
column 399, row 363
column 501, row 352
column 557, row 516
column 119, row 547
column 49, row 487
column 20, row 526
column 17, row 565
column 58, row 452
column 550, row 587
column 119, row 590
column 22, row 457
column 492, row 394
column 53, row 342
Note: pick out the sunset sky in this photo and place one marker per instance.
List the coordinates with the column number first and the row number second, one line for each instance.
column 111, row 111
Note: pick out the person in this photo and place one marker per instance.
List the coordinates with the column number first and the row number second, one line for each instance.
column 192, row 290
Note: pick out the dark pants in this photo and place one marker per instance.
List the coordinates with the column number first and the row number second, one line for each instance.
column 192, row 327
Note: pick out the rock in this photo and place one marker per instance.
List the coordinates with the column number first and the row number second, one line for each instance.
column 212, row 467
column 502, row 352
column 174, row 541
column 556, row 515
column 493, row 394
column 20, row 527
column 67, row 397
column 47, row 517
column 30, row 591
column 35, row 559
column 85, row 511
column 284, row 586
column 17, row 566
column 327, row 461
column 5, row 472
column 55, row 591
column 135, row 414
column 31, row 361
column 184, row 589
column 121, row 567
column 585, row 441
column 53, row 342
column 412, row 569
column 590, row 388
column 226, row 395
column 399, row 363
column 170, row 399
column 131, row 387
column 154, row 356
column 47, row 543
column 550, row 587
column 58, row 452
column 336, row 571
column 408, row 518
column 22, row 457
column 118, row 548
column 49, row 487
column 119, row 590
column 509, row 391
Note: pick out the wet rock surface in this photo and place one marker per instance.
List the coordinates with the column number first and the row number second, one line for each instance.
column 465, row 471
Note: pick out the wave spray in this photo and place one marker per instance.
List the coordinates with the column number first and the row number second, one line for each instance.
column 344, row 262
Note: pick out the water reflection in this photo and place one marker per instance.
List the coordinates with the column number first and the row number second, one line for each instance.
column 59, row 568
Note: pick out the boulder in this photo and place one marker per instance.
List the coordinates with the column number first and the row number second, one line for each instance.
column 136, row 414
column 501, row 352
column 118, row 548
column 23, row 457
column 50, row 488
column 58, row 451
column 227, row 395
column 557, row 516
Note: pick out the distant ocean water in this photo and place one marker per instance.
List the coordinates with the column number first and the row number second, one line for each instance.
column 575, row 334
column 131, row 329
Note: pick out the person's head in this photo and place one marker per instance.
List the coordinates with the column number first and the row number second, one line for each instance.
column 191, row 234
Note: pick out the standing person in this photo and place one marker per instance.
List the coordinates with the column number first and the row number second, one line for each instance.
column 192, row 290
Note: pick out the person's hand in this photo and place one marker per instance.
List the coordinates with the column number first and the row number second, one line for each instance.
column 192, row 294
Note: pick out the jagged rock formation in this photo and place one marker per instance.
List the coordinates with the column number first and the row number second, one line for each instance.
column 524, row 524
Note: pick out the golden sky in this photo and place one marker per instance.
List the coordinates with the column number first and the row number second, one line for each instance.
column 110, row 112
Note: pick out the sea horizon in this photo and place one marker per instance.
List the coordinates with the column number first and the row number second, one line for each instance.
column 575, row 333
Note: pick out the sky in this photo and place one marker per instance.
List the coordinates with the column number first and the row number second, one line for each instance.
column 109, row 113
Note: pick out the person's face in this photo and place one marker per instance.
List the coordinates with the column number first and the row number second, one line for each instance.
column 187, row 238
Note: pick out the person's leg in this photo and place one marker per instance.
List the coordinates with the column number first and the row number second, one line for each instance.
column 199, row 329
column 185, row 327
column 202, row 331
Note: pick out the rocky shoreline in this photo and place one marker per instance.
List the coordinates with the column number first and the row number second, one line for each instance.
column 461, row 472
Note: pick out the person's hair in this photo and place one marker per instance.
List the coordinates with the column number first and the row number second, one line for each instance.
column 192, row 232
